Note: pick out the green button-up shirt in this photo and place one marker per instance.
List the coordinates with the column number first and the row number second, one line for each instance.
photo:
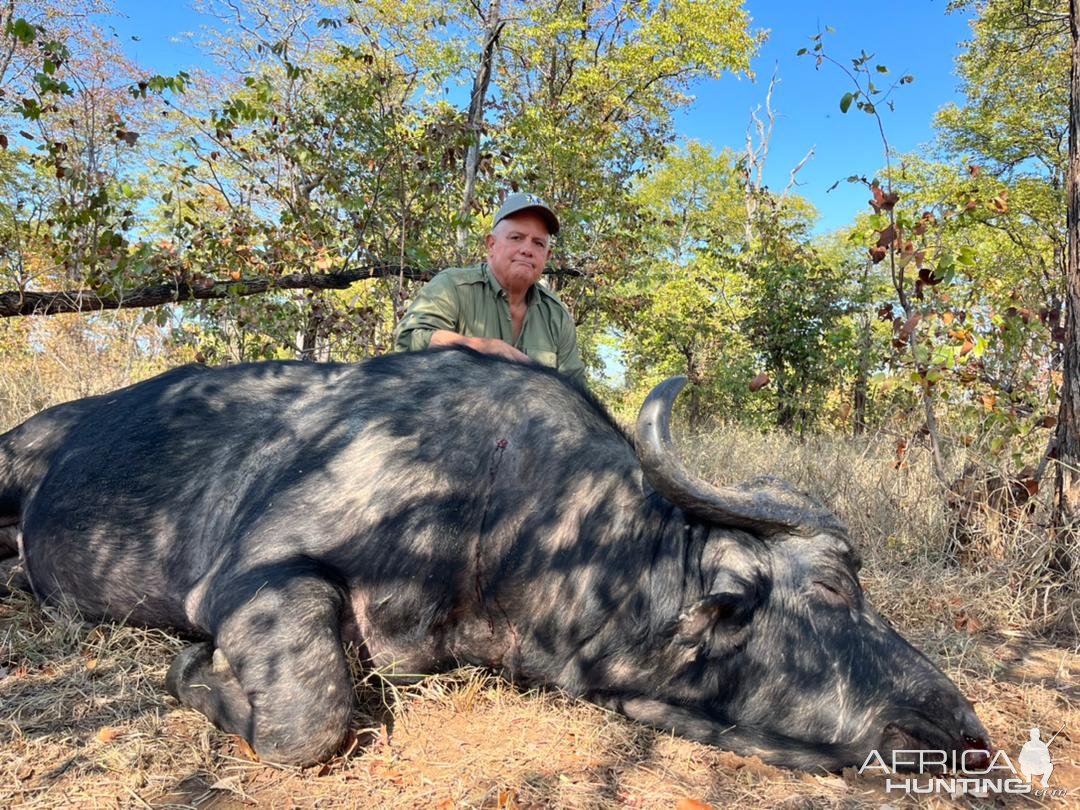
column 469, row 301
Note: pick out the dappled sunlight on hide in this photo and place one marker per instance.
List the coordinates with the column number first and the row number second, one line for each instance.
column 441, row 508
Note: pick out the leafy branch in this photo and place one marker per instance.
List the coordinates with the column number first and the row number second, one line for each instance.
column 866, row 96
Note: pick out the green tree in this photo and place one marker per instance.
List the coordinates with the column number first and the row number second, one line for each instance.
column 1010, row 134
column 721, row 309
column 69, row 131
column 1013, row 119
column 329, row 149
column 681, row 311
column 794, row 320
column 586, row 95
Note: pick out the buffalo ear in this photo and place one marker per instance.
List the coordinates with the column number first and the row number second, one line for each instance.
column 729, row 608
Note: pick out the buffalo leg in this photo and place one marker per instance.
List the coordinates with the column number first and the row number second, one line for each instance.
column 278, row 676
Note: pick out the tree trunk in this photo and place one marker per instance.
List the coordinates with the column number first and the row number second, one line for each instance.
column 785, row 406
column 862, row 381
column 862, row 373
column 937, row 454
column 694, row 377
column 493, row 26
column 309, row 337
column 1067, row 478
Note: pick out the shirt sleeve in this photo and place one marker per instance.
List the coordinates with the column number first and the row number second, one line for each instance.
column 435, row 307
column 569, row 356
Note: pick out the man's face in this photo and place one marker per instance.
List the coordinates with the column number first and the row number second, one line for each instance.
column 518, row 249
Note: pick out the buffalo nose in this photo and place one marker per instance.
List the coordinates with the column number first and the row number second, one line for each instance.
column 973, row 737
column 982, row 750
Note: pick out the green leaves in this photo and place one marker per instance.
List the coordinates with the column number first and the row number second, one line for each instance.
column 22, row 31
column 30, row 109
column 845, row 101
column 158, row 84
column 47, row 85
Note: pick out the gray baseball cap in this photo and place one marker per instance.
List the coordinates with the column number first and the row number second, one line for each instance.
column 528, row 202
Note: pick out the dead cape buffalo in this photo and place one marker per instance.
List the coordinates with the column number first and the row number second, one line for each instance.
column 442, row 508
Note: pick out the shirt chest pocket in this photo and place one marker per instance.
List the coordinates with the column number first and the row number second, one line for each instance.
column 549, row 359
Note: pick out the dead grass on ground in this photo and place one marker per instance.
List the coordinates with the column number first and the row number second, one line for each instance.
column 85, row 722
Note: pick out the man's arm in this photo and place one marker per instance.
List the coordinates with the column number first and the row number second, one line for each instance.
column 444, row 337
column 435, row 308
column 432, row 321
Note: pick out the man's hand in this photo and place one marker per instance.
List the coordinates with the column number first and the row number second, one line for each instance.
column 494, row 346
column 499, row 348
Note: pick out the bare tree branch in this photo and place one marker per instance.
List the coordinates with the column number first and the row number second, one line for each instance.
column 15, row 303
column 798, row 166
column 475, row 123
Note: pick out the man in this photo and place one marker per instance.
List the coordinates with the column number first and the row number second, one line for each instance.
column 499, row 307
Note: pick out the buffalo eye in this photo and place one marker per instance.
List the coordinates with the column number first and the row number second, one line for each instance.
column 835, row 594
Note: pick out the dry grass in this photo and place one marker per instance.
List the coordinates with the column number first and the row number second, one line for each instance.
column 44, row 361
column 85, row 721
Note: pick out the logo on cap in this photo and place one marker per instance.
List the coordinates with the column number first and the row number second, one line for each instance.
column 522, row 200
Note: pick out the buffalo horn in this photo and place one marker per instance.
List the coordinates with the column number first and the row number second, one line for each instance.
column 762, row 508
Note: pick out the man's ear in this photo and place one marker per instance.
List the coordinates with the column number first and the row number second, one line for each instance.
column 489, row 241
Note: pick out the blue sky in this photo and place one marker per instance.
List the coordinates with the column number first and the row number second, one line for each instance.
column 915, row 37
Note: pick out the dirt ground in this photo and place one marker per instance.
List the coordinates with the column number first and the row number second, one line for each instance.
column 85, row 722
